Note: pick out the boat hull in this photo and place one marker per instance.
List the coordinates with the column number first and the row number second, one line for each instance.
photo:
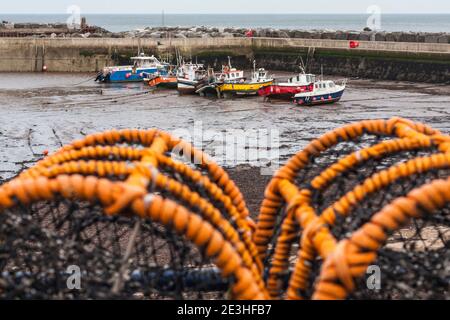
column 189, row 86
column 243, row 88
column 282, row 91
column 163, row 82
column 319, row 99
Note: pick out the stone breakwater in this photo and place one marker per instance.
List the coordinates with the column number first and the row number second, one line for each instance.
column 85, row 31
column 207, row 32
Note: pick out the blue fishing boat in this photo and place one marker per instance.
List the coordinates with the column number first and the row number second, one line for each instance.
column 143, row 65
column 323, row 92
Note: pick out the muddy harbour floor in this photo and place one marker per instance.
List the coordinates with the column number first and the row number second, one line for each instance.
column 44, row 111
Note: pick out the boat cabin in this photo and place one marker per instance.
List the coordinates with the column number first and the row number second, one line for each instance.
column 260, row 75
column 144, row 61
column 324, row 85
column 303, row 78
column 231, row 75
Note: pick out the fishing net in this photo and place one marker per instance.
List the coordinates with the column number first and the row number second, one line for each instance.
column 360, row 213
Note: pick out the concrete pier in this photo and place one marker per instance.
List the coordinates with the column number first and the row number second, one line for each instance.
column 411, row 61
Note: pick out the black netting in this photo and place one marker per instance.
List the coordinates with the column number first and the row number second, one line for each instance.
column 118, row 257
column 414, row 264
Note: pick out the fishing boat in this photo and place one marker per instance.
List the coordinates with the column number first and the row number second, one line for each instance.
column 190, row 77
column 323, row 92
column 287, row 90
column 142, row 66
column 260, row 78
column 215, row 80
column 160, row 81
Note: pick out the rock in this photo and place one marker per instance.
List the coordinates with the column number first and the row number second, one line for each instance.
column 390, row 36
column 421, row 37
column 327, row 35
column 367, row 29
column 445, row 38
column 408, row 37
column 53, row 35
column 364, row 36
column 340, row 35
column 431, row 38
column 302, row 34
column 380, row 36
column 316, row 35
column 352, row 35
column 180, row 35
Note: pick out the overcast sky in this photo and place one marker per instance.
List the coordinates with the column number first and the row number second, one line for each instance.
column 225, row 6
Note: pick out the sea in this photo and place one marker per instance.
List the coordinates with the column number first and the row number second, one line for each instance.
column 357, row 22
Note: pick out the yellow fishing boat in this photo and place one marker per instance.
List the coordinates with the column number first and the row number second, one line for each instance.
column 260, row 79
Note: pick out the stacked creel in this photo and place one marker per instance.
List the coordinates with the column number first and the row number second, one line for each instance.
column 191, row 219
column 145, row 215
column 364, row 195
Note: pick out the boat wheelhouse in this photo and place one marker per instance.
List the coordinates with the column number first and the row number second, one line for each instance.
column 215, row 80
column 141, row 67
column 324, row 91
column 191, row 77
column 303, row 82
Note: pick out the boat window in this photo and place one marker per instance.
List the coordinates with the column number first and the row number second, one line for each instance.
column 331, row 85
column 316, row 86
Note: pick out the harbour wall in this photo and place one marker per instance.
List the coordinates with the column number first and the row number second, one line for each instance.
column 407, row 61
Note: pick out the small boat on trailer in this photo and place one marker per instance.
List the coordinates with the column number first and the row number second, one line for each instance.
column 287, row 90
column 142, row 66
column 190, row 77
column 260, row 78
column 324, row 91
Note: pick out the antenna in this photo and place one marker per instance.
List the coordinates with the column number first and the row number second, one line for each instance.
column 321, row 71
column 229, row 62
column 254, row 65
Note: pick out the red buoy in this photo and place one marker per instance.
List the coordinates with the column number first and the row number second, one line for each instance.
column 354, row 44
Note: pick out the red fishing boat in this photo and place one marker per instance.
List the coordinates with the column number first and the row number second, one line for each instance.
column 287, row 90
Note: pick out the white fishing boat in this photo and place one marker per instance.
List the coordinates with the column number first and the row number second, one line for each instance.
column 323, row 92
column 190, row 77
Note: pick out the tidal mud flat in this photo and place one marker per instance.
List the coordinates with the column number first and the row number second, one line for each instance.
column 44, row 111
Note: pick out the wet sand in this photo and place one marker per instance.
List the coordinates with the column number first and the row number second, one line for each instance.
column 43, row 111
